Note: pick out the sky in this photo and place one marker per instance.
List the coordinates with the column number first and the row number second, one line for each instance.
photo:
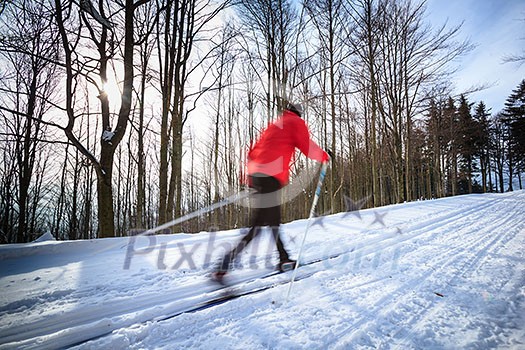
column 497, row 28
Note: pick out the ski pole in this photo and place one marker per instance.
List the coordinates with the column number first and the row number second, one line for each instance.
column 231, row 199
column 308, row 224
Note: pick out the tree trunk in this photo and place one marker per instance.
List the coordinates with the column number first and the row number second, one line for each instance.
column 373, row 100
column 106, row 212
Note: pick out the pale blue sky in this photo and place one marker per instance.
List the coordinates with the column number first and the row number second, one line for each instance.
column 497, row 27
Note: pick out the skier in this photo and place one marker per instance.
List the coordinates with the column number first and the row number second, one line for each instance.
column 268, row 171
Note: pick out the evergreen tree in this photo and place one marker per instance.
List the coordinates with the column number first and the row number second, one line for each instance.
column 466, row 142
column 434, row 141
column 482, row 139
column 499, row 139
column 514, row 112
column 450, row 137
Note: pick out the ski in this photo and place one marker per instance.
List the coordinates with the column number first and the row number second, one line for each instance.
column 234, row 290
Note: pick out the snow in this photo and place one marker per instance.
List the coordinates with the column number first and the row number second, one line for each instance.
column 45, row 237
column 107, row 136
column 439, row 274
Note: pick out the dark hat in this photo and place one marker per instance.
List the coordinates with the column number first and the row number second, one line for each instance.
column 297, row 108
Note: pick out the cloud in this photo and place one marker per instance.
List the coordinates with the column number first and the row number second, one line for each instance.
column 497, row 28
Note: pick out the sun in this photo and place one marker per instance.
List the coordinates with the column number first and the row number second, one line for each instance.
column 112, row 89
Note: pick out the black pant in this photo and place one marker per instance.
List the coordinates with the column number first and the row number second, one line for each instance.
column 266, row 211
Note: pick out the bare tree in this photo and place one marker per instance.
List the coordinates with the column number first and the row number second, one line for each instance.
column 518, row 57
column 271, row 25
column 408, row 57
column 181, row 24
column 28, row 46
column 148, row 16
column 76, row 66
column 365, row 15
column 327, row 17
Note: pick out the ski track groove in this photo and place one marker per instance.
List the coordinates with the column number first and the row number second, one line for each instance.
column 393, row 240
column 75, row 318
column 416, row 229
column 424, row 311
column 414, row 285
column 470, row 267
column 410, row 230
column 422, row 229
column 400, row 293
column 94, row 314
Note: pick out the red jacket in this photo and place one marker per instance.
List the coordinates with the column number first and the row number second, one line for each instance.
column 273, row 151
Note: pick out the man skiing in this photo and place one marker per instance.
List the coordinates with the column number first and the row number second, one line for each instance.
column 268, row 171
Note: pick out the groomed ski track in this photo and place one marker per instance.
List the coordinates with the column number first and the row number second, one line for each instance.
column 394, row 274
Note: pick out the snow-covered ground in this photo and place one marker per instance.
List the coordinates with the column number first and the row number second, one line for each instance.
column 440, row 274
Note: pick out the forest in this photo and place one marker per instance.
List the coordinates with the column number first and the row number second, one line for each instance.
column 119, row 116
